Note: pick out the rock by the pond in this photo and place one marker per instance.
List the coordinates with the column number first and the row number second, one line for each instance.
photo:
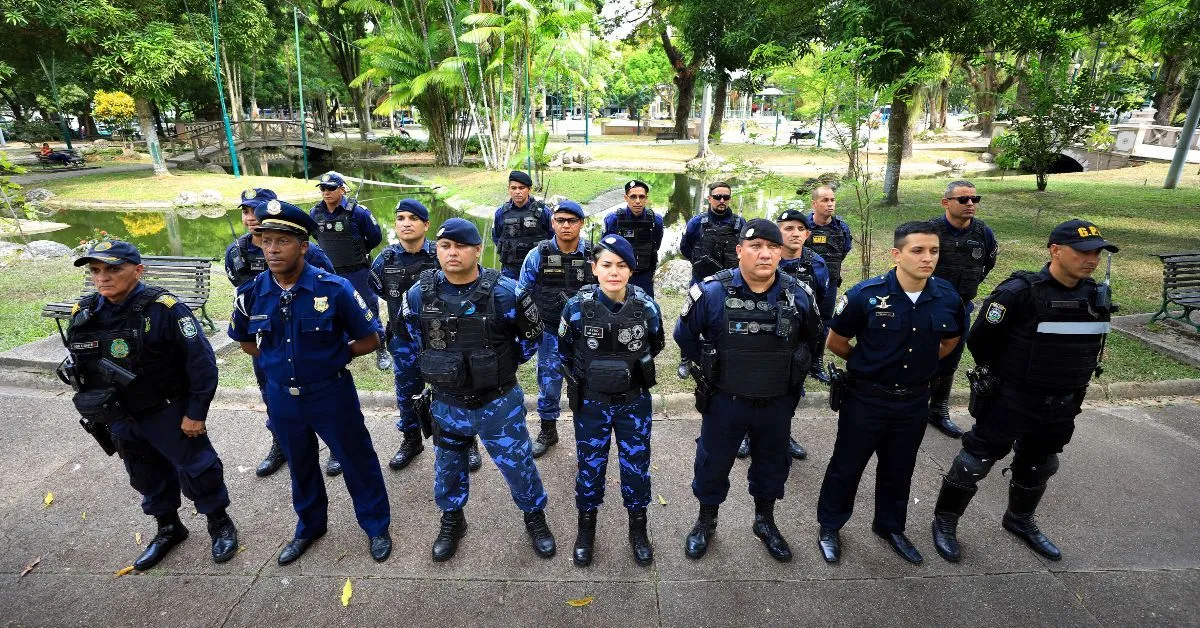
column 47, row 249
column 185, row 199
column 953, row 164
column 210, row 197
column 987, row 158
column 582, row 157
column 674, row 276
column 100, row 143
column 37, row 195
column 214, row 169
column 9, row 249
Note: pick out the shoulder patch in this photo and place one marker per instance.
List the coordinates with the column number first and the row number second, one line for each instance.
column 694, row 294
column 840, row 305
column 187, row 327
column 167, row 300
column 995, row 313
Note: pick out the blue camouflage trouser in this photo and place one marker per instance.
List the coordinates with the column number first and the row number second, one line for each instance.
column 549, row 379
column 408, row 382
column 595, row 424
column 500, row 425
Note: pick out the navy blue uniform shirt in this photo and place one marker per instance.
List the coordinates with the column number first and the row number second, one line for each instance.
column 360, row 216
column 315, row 256
column 897, row 340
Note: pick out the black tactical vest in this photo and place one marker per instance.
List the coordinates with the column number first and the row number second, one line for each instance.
column 520, row 231
column 1059, row 351
column 466, row 348
column 961, row 260
column 161, row 375
column 829, row 241
column 397, row 278
column 340, row 239
column 640, row 233
column 613, row 349
column 245, row 265
column 757, row 341
column 802, row 270
column 717, row 248
column 559, row 276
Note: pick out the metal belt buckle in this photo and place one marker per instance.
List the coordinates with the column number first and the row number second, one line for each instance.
column 294, row 391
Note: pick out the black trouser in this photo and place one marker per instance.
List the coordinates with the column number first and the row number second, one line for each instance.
column 1034, row 428
column 892, row 430
column 721, row 430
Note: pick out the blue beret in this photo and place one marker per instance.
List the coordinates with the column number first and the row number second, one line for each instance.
column 460, row 230
column 414, row 207
column 569, row 206
column 253, row 197
column 620, row 246
column 331, row 178
column 113, row 252
column 521, row 177
column 277, row 215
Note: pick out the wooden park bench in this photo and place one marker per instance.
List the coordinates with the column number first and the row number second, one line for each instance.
column 576, row 136
column 666, row 135
column 1181, row 287
column 74, row 160
column 185, row 277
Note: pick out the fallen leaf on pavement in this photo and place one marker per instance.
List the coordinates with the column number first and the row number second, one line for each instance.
column 123, row 571
column 347, row 591
column 137, row 538
column 662, row 500
column 583, row 601
column 33, row 563
column 49, row 499
column 83, row 516
column 241, row 548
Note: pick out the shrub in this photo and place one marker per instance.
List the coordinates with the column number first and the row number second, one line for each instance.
column 396, row 144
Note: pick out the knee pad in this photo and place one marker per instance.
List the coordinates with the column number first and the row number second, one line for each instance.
column 968, row 469
column 1031, row 473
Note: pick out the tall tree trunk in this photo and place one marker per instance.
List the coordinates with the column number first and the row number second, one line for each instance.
column 254, row 113
column 1170, row 80
column 146, row 121
column 718, row 116
column 158, row 122
column 685, row 91
column 897, row 125
column 360, row 110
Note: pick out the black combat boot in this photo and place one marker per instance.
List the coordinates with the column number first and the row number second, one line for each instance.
column 171, row 532
column 817, row 371
column 224, row 536
column 539, row 533
column 939, row 406
column 333, row 468
column 271, row 463
column 643, row 553
column 702, row 532
column 951, row 504
column 767, row 532
column 797, row 452
column 744, row 448
column 1019, row 519
column 454, row 527
column 474, row 460
column 585, row 542
column 412, row 445
column 548, row 437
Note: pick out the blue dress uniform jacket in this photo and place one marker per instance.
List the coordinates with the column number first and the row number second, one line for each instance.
column 302, row 336
column 404, row 359
column 642, row 277
column 499, row 423
column 895, row 356
column 161, row 460
column 597, row 421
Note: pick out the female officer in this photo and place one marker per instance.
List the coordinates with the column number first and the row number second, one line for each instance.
column 608, row 337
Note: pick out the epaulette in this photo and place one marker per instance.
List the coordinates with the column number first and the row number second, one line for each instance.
column 167, row 300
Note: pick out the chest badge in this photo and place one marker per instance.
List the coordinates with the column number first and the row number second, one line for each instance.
column 337, row 226
column 883, row 302
column 995, row 313
column 321, row 304
column 977, row 253
column 118, row 348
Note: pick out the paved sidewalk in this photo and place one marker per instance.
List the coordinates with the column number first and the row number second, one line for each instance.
column 1124, row 508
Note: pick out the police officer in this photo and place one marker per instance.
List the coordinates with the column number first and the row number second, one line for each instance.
column 752, row 330
column 145, row 374
column 903, row 322
column 520, row 223
column 608, row 336
column 472, row 329
column 348, row 232
column 553, row 272
column 244, row 260
column 394, row 271
column 1040, row 335
column 807, row 267
column 642, row 228
column 295, row 320
column 830, row 237
column 710, row 239
column 968, row 253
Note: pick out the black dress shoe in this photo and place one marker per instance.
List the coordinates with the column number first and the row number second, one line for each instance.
column 412, row 445
column 794, row 448
column 539, row 534
column 945, row 426
column 296, row 548
column 830, row 542
column 381, row 547
column 901, row 544
column 547, row 437
column 271, row 463
column 454, row 527
column 702, row 532
column 474, row 460
column 744, row 448
column 333, row 468
column 168, row 536
column 224, row 539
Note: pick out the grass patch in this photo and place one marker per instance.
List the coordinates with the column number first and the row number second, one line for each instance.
column 142, row 185
column 489, row 187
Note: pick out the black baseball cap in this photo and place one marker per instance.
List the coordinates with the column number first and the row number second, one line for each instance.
column 1080, row 235
column 762, row 228
column 111, row 252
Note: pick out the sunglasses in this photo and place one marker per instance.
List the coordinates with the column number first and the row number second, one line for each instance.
column 720, row 197
column 285, row 305
column 328, row 188
column 964, row 199
column 567, row 221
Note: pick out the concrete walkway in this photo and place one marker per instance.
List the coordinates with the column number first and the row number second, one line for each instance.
column 1124, row 509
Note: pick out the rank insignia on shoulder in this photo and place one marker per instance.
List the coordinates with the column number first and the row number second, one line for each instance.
column 320, row 304
column 562, row 327
column 840, row 305
column 74, row 309
column 167, row 300
column 187, row 326
column 995, row 313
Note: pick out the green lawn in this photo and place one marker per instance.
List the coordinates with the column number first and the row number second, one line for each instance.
column 488, row 187
column 144, row 186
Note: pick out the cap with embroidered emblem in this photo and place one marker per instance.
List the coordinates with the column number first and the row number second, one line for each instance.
column 331, row 178
column 112, row 252
column 1080, row 235
column 277, row 215
column 570, row 207
column 763, row 229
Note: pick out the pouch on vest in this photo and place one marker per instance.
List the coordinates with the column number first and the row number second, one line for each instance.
column 646, row 369
column 99, row 405
column 709, row 361
column 485, row 369
column 610, row 377
column 443, row 368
